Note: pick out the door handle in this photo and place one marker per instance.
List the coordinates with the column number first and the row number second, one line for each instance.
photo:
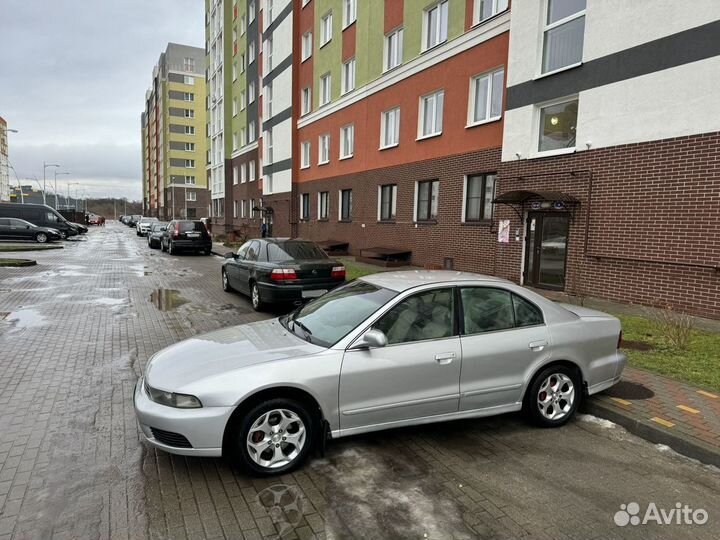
column 444, row 358
column 537, row 345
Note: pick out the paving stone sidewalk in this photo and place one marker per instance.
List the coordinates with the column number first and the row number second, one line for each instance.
column 665, row 411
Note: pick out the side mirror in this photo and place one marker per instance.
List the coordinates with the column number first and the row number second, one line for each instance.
column 230, row 255
column 372, row 339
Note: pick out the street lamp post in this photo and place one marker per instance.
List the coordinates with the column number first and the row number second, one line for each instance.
column 68, row 192
column 22, row 196
column 56, row 191
column 45, row 166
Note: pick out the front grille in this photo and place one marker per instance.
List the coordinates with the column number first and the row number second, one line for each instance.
column 171, row 439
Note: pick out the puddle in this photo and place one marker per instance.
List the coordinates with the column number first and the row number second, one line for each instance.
column 24, row 318
column 109, row 301
column 167, row 299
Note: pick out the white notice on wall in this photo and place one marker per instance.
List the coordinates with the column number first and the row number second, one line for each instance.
column 504, row 231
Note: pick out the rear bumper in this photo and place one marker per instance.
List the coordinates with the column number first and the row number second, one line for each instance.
column 191, row 244
column 275, row 294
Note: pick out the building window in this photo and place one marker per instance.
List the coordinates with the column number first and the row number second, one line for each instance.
column 235, row 140
column 269, row 99
column 304, row 206
column 189, row 113
column 323, row 204
column 234, row 106
column 251, row 131
column 326, row 29
column 251, row 92
column 243, row 208
column 563, row 35
column 346, row 205
column 390, row 128
column 323, row 149
column 557, row 126
column 349, row 12
column 251, row 171
column 269, row 54
column 305, row 155
column 269, row 9
column 242, row 63
column 325, row 89
column 484, row 9
column 307, row 46
column 235, row 209
column 188, row 80
column 486, row 94
column 306, row 105
column 347, row 141
column 393, row 49
column 188, row 96
column 427, row 200
column 435, row 25
column 243, row 25
column 243, row 136
column 188, row 64
column 251, row 52
column 236, row 176
column 251, row 11
column 234, row 71
column 190, row 180
column 431, row 114
column 268, row 144
column 243, row 100
column 189, row 130
column 189, row 163
column 189, row 146
column 348, row 78
column 387, row 202
column 191, row 196
column 243, row 173
column 479, row 194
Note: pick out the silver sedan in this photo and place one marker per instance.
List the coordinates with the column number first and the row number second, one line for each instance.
column 388, row 350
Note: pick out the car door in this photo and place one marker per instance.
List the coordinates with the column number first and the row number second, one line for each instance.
column 416, row 375
column 232, row 268
column 165, row 238
column 502, row 336
column 246, row 267
column 6, row 231
column 21, row 230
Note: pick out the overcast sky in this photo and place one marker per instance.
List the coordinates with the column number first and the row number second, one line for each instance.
column 73, row 75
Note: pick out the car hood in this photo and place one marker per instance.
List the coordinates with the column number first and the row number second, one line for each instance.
column 223, row 351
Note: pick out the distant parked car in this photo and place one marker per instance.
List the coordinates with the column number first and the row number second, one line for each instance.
column 143, row 225
column 133, row 220
column 155, row 233
column 280, row 270
column 19, row 229
column 186, row 235
column 40, row 215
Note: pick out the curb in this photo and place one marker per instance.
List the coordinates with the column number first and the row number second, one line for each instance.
column 17, row 263
column 682, row 445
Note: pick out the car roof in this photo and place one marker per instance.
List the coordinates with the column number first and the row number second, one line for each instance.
column 407, row 279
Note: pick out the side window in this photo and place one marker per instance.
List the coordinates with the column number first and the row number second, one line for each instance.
column 253, row 250
column 426, row 315
column 242, row 252
column 4, row 222
column 262, row 252
column 51, row 217
column 487, row 310
column 526, row 313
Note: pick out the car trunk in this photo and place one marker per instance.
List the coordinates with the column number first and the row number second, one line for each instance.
column 191, row 231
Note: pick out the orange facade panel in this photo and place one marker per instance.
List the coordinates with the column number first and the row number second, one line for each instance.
column 394, row 10
column 453, row 76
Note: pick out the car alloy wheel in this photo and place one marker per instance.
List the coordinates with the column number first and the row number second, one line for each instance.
column 41, row 238
column 63, row 235
column 255, row 297
column 170, row 249
column 556, row 396
column 225, row 281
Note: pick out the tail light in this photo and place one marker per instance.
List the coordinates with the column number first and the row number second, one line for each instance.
column 177, row 230
column 283, row 274
column 620, row 340
column 338, row 272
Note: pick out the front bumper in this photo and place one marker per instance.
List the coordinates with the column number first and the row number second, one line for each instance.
column 203, row 428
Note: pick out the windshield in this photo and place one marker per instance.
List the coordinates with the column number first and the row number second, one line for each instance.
column 331, row 317
column 289, row 251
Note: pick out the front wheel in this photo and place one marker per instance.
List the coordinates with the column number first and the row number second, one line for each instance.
column 226, row 282
column 63, row 235
column 553, row 396
column 41, row 238
column 274, row 437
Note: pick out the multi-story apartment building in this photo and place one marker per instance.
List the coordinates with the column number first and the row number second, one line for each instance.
column 4, row 162
column 173, row 136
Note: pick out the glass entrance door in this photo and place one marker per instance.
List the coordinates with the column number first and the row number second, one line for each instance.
column 545, row 250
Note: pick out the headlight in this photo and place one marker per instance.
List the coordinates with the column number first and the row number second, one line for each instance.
column 171, row 399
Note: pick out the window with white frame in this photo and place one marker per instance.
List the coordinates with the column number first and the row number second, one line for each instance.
column 243, row 63
column 189, row 163
column 188, row 64
column 323, row 149
column 188, row 96
column 251, row 11
column 393, row 49
column 346, row 205
column 252, row 135
column 486, row 95
column 349, row 12
column 563, row 34
column 243, row 25
column 435, row 25
column 189, row 130
column 191, row 196
column 558, row 123
column 243, row 100
column 326, row 28
column 269, row 4
column 189, row 113
column 243, row 173
column 243, row 208
column 190, row 180
column 348, row 76
column 323, row 205
column 347, row 141
column 390, row 128
column 236, row 175
column 251, row 92
column 188, row 80
column 268, row 144
column 235, row 209
column 484, row 9
column 189, row 146
column 304, row 206
column 306, row 101
column 431, row 114
column 387, row 202
column 305, row 149
column 269, row 54
column 479, row 194
column 325, row 89
column 234, row 71
column 251, row 171
column 251, row 52
column 235, row 140
column 234, row 106
column 243, row 136
column 427, row 200
column 307, row 45
column 268, row 99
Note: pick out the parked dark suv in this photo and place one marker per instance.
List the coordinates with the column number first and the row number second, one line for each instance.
column 186, row 235
column 39, row 215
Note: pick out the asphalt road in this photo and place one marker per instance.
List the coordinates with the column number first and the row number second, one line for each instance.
column 75, row 332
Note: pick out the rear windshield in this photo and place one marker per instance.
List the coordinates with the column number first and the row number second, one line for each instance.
column 188, row 226
column 288, row 251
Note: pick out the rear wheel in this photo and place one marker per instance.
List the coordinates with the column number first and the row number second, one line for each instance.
column 274, row 437
column 41, row 238
column 170, row 249
column 553, row 396
column 257, row 302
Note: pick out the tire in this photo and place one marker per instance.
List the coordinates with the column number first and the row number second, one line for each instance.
column 262, row 434
column 226, row 282
column 553, row 396
column 63, row 235
column 162, row 246
column 255, row 298
column 170, row 249
column 41, row 238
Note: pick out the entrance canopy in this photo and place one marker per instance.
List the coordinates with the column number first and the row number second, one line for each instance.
column 520, row 196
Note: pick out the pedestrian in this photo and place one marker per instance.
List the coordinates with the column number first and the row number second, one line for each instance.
column 102, row 221
column 263, row 230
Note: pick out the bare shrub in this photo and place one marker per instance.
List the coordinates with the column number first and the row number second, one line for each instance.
column 674, row 326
